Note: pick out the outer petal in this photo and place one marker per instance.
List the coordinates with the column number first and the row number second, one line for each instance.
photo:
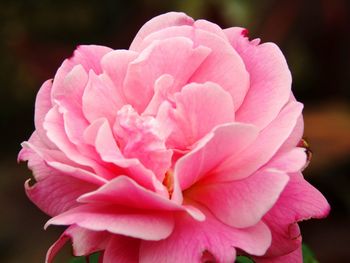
column 122, row 249
column 84, row 242
column 291, row 161
column 270, row 79
column 147, row 225
column 293, row 257
column 124, row 191
column 299, row 201
column 55, row 131
column 262, row 149
column 53, row 192
column 225, row 141
column 190, row 239
column 69, row 101
column 241, row 203
column 199, row 108
column 42, row 105
column 157, row 23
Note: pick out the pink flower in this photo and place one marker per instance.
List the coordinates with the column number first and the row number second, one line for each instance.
column 180, row 149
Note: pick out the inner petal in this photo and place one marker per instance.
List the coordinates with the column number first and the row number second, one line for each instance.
column 141, row 137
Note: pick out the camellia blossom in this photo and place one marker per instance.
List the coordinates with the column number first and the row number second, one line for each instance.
column 183, row 148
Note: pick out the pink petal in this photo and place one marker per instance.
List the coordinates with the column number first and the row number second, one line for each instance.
column 270, row 79
column 109, row 152
column 122, row 249
column 223, row 66
column 175, row 56
column 115, row 65
column 57, row 161
column 53, row 192
column 55, row 248
column 199, row 108
column 85, row 242
column 190, row 239
column 124, row 191
column 262, row 149
column 147, row 225
column 89, row 56
column 291, row 161
column 210, row 27
column 223, row 142
column 241, row 203
column 57, row 193
column 162, row 93
column 69, row 101
column 101, row 98
column 299, row 201
column 42, row 105
column 159, row 22
column 293, row 257
column 139, row 137
column 54, row 127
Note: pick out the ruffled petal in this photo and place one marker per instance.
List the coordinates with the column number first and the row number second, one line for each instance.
column 84, row 242
column 122, row 249
column 198, row 109
column 299, row 201
column 159, row 22
column 241, row 203
column 191, row 239
column 262, row 149
column 137, row 223
column 224, row 142
column 175, row 56
column 270, row 79
column 101, row 98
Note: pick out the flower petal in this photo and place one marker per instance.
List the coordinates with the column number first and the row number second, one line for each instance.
column 223, row 142
column 270, row 79
column 147, row 225
column 199, row 108
column 190, row 239
column 299, row 201
column 101, row 98
column 159, row 22
column 244, row 202
column 42, row 105
column 115, row 65
column 84, row 242
column 175, row 56
column 109, row 152
column 295, row 256
column 122, row 249
column 262, row 149
column 291, row 161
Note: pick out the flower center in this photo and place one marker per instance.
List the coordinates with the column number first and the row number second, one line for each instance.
column 168, row 182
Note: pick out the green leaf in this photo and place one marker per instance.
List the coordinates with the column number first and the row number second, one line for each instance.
column 243, row 259
column 92, row 259
column 308, row 256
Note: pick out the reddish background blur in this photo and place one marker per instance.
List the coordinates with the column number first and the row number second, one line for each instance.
column 314, row 35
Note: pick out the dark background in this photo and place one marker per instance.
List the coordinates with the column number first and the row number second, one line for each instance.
column 35, row 37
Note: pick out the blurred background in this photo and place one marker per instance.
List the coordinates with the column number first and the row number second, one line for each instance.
column 314, row 35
